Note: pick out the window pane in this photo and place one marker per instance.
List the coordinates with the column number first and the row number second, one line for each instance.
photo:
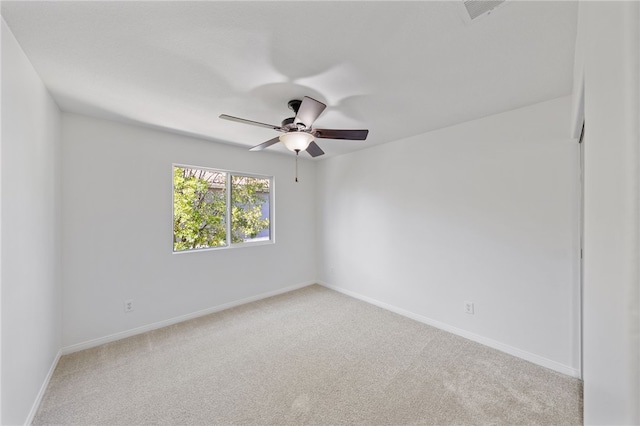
column 199, row 209
column 250, row 207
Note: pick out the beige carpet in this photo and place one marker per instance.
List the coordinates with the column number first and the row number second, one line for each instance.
column 312, row 356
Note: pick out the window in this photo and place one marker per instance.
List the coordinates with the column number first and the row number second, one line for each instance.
column 215, row 208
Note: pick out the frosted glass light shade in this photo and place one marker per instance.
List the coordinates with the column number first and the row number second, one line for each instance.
column 296, row 141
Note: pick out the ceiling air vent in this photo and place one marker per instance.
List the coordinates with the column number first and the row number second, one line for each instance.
column 477, row 8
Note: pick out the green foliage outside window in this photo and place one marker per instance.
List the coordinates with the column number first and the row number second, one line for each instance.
column 248, row 194
column 200, row 208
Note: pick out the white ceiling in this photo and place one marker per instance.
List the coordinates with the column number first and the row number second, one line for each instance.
column 396, row 68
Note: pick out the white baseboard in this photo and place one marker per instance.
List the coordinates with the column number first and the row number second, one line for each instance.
column 528, row 356
column 154, row 326
column 43, row 388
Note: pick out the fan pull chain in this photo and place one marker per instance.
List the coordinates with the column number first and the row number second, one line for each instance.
column 297, row 152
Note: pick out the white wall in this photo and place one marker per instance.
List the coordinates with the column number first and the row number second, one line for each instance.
column 609, row 60
column 117, row 205
column 485, row 211
column 30, row 224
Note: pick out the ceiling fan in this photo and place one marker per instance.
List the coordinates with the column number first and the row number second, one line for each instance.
column 298, row 135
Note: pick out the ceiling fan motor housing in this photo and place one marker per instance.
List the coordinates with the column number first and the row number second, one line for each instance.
column 289, row 125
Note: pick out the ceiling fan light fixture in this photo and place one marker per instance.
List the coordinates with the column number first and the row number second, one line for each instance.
column 296, row 141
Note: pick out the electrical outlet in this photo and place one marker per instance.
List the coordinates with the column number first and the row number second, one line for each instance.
column 128, row 305
column 468, row 307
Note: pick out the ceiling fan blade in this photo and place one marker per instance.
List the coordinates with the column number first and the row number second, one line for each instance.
column 253, row 123
column 264, row 145
column 309, row 111
column 314, row 150
column 356, row 135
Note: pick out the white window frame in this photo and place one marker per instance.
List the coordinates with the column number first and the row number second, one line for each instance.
column 228, row 181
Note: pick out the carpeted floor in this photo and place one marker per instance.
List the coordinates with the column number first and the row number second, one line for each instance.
column 311, row 356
